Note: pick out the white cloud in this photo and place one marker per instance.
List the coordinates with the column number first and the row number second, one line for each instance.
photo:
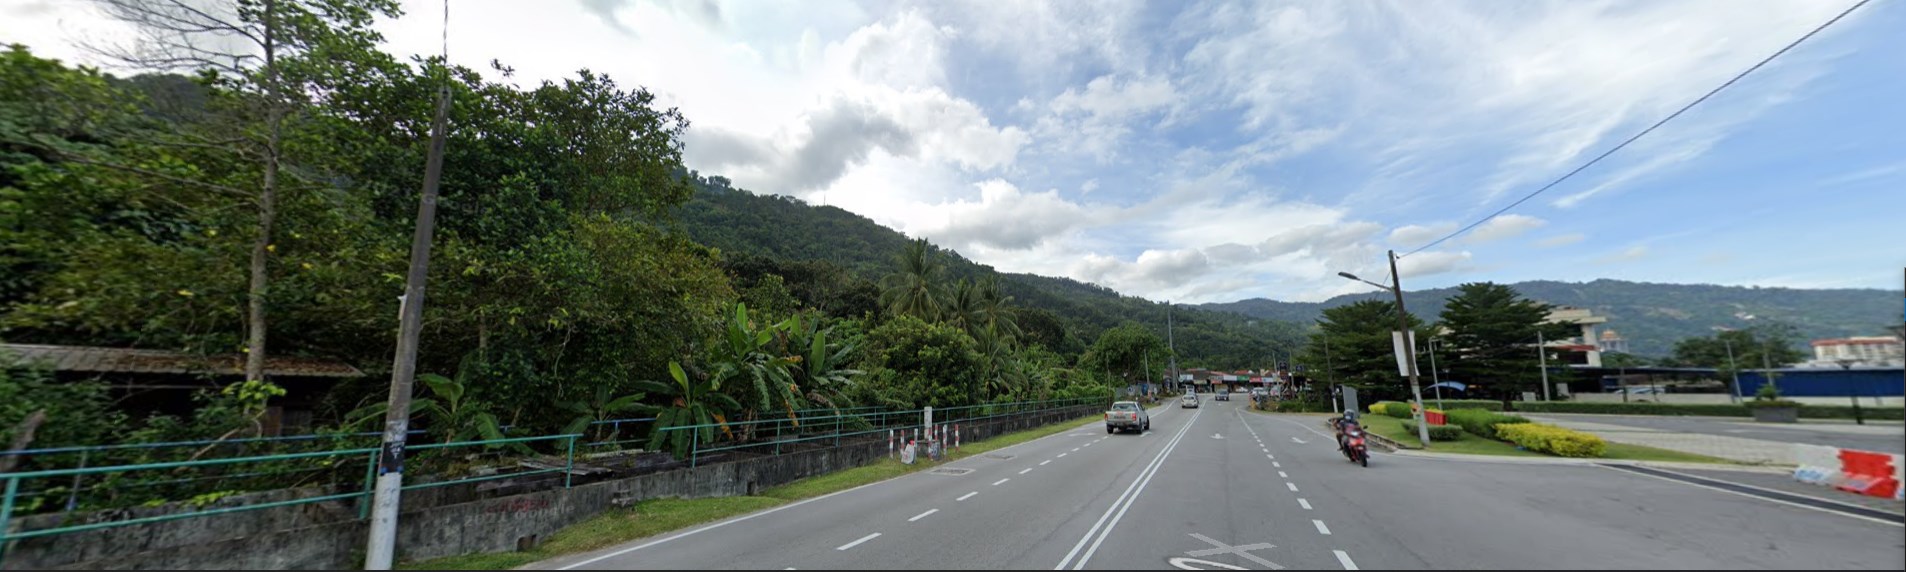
column 1561, row 240
column 1089, row 186
column 1006, row 219
column 1505, row 226
column 1431, row 262
column 1097, row 120
column 1415, row 235
column 1629, row 254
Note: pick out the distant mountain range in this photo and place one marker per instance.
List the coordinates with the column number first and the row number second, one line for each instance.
column 1652, row 317
column 1241, row 334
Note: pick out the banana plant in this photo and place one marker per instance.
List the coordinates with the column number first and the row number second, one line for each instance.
column 447, row 414
column 745, row 359
column 602, row 407
column 696, row 402
column 819, row 365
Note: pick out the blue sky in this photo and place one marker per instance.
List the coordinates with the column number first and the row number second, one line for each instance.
column 1213, row 151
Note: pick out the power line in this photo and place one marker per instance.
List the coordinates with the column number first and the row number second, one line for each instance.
column 1650, row 129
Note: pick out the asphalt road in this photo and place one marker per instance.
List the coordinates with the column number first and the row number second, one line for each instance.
column 1881, row 436
column 1222, row 488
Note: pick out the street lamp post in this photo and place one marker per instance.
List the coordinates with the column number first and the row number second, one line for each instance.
column 1436, row 379
column 1847, row 365
column 1409, row 352
column 1734, row 366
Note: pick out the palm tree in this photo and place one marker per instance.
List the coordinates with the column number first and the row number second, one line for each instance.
column 962, row 308
column 995, row 309
column 914, row 290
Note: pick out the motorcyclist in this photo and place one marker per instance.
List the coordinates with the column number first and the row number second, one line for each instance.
column 1344, row 425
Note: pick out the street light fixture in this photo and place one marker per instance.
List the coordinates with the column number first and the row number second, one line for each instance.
column 1409, row 353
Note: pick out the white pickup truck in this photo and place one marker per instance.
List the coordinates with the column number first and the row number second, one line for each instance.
column 1127, row 415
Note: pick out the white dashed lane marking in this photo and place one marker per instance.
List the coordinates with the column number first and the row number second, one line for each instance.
column 966, row 496
column 922, row 515
column 1293, row 486
column 1305, row 503
column 857, row 542
column 1321, row 529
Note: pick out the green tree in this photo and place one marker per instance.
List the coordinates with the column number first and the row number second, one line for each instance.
column 915, row 288
column 1123, row 353
column 1748, row 347
column 1492, row 335
column 915, row 363
column 1360, row 350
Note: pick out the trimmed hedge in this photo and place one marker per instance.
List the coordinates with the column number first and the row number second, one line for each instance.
column 1397, row 409
column 1714, row 409
column 1437, row 432
column 1481, row 423
column 1553, row 440
column 1449, row 404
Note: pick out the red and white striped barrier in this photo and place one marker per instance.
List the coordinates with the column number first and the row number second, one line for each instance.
column 1851, row 470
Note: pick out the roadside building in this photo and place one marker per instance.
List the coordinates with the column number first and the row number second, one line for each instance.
column 1861, row 350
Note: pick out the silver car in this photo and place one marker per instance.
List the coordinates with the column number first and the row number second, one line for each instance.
column 1189, row 401
column 1127, row 415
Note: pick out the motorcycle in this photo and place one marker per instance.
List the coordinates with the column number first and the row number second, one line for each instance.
column 1354, row 448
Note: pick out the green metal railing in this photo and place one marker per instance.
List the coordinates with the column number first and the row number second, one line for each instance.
column 764, row 433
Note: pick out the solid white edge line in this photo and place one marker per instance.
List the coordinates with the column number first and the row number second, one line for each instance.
column 792, row 505
column 1293, row 486
column 1321, row 529
column 1775, row 501
column 922, row 515
column 966, row 496
column 1133, row 499
column 857, row 542
column 1001, row 481
column 1305, row 503
column 1344, row 559
column 712, row 527
column 1156, row 461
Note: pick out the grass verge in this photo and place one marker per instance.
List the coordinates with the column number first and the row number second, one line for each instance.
column 1471, row 444
column 658, row 516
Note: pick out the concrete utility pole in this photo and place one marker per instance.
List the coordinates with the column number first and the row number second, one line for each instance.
column 1409, row 352
column 1542, row 354
column 390, row 462
column 1172, row 346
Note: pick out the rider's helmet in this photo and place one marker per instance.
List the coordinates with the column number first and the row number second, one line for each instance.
column 1349, row 417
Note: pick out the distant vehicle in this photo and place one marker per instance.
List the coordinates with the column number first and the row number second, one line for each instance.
column 1224, row 396
column 1127, row 415
column 1189, row 401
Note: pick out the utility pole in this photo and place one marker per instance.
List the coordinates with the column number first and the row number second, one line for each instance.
column 390, row 463
column 1409, row 352
column 1436, row 379
column 1171, row 346
column 1330, row 370
column 1733, row 367
column 1542, row 354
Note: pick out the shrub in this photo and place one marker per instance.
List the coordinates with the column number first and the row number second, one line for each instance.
column 1553, row 440
column 1717, row 409
column 1481, row 423
column 1449, row 404
column 1397, row 409
column 1437, row 432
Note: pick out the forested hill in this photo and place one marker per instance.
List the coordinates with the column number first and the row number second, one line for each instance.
column 1653, row 316
column 786, row 228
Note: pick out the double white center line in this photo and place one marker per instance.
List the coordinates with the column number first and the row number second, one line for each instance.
column 1101, row 529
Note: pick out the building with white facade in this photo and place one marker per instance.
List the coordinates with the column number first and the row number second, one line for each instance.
column 1860, row 350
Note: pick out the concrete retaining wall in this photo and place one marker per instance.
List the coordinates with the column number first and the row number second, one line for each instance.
column 444, row 521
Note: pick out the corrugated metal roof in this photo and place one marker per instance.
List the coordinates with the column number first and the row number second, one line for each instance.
column 130, row 360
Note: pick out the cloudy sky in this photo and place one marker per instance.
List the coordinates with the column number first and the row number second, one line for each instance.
column 1213, row 151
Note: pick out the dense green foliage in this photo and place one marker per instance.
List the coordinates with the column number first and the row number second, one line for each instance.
column 1062, row 314
column 1558, row 441
column 1353, row 346
column 1490, row 335
column 1717, row 409
column 1480, row 422
column 1652, row 317
column 1437, row 432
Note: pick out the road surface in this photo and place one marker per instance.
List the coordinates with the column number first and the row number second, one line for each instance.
column 1881, row 436
column 1221, row 488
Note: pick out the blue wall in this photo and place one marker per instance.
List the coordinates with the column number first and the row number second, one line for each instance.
column 1830, row 382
